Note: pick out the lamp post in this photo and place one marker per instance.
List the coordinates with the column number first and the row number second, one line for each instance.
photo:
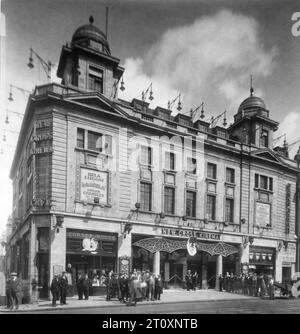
column 47, row 66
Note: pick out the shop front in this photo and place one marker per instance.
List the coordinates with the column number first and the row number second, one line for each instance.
column 199, row 252
column 93, row 253
column 262, row 260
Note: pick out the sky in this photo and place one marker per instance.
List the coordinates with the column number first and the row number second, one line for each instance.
column 205, row 50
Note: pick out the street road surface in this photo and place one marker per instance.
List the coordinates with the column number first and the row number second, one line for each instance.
column 252, row 306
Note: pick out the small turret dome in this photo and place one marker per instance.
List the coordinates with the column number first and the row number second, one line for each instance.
column 252, row 102
column 91, row 36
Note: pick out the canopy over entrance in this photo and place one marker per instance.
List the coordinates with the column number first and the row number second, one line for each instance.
column 169, row 245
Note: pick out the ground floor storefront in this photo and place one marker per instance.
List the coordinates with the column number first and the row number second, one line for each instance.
column 96, row 247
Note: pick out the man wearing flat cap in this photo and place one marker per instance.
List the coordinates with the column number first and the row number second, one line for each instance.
column 63, row 283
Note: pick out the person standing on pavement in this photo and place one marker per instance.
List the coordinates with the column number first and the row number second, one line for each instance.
column 221, row 280
column 133, row 280
column 271, row 288
column 158, row 287
column 109, row 285
column 188, row 280
column 55, row 288
column 194, row 280
column 151, row 286
column 123, row 283
column 79, row 286
column 63, row 284
column 15, row 291
column 86, row 283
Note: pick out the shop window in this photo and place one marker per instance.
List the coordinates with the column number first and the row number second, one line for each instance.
column 169, row 195
column 146, row 196
column 212, row 171
column 95, row 79
column 191, row 203
column 211, row 207
column 230, row 175
column 192, row 165
column 80, row 138
column 229, row 210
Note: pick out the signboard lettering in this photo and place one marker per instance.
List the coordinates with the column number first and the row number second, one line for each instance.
column 262, row 214
column 93, row 184
column 189, row 233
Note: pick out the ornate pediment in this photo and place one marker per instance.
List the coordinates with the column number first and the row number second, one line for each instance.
column 266, row 154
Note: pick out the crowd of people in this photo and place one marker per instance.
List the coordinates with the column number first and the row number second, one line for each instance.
column 248, row 284
column 14, row 291
column 59, row 288
column 138, row 286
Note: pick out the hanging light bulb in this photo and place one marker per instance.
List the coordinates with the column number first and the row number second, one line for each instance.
column 4, row 137
column 143, row 96
column 169, row 104
column 202, row 112
column 122, row 88
column 151, row 93
column 6, row 119
column 10, row 97
column 30, row 64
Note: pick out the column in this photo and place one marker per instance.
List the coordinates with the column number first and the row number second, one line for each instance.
column 32, row 269
column 57, row 249
column 204, row 272
column 125, row 249
column 219, row 271
column 278, row 266
column 244, row 256
column 156, row 263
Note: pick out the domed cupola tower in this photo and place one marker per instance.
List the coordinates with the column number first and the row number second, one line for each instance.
column 252, row 124
column 87, row 64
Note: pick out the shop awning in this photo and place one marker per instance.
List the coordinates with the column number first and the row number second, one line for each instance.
column 169, row 245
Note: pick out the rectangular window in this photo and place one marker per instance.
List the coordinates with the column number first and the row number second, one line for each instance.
column 169, row 200
column 263, row 182
column 95, row 79
column 229, row 210
column 29, row 193
column 146, row 155
column 264, row 138
column 190, row 203
column 170, row 161
column 146, row 196
column 80, row 138
column 94, row 141
column 230, row 175
column 192, row 165
column 212, row 171
column 211, row 207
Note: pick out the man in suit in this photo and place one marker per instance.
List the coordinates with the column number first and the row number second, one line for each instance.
column 158, row 287
column 132, row 290
column 55, row 288
column 123, row 284
column 63, row 283
column 86, row 283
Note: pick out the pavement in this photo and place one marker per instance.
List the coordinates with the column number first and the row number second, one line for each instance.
column 169, row 296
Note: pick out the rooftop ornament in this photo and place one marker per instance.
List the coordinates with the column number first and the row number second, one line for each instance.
column 171, row 103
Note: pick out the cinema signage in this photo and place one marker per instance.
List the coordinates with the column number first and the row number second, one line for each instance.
column 188, row 233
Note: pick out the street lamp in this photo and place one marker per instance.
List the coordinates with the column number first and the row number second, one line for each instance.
column 46, row 65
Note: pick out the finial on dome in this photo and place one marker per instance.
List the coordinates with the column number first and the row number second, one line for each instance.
column 251, row 85
column 91, row 19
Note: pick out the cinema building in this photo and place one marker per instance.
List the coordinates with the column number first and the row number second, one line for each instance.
column 100, row 183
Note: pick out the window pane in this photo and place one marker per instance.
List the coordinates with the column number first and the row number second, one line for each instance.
column 256, row 180
column 146, row 191
column 80, row 138
column 270, row 183
column 191, row 165
column 263, row 182
column 229, row 210
column 191, row 204
column 211, row 207
column 95, row 141
column 230, row 177
column 211, row 171
column 169, row 200
column 108, row 144
column 170, row 160
column 146, row 155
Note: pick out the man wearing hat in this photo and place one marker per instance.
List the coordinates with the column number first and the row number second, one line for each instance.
column 15, row 291
column 55, row 289
column 63, row 283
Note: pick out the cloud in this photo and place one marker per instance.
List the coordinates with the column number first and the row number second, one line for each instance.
column 209, row 60
column 290, row 126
